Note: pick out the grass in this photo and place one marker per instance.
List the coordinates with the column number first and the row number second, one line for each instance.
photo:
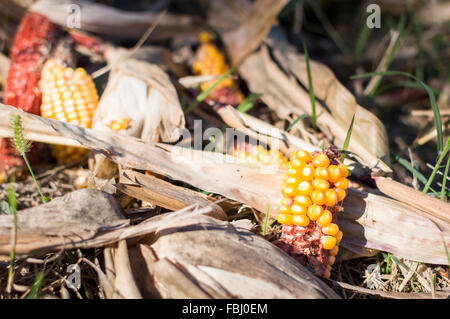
column 202, row 96
column 266, row 219
column 12, row 202
column 311, row 89
column 248, row 103
column 444, row 178
column 391, row 55
column 436, row 167
column 347, row 139
column 432, row 98
column 22, row 146
column 301, row 117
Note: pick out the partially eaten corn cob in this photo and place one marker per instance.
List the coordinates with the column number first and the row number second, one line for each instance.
column 68, row 95
column 314, row 187
column 210, row 61
column 258, row 154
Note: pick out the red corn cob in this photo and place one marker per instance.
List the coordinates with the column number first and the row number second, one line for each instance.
column 32, row 44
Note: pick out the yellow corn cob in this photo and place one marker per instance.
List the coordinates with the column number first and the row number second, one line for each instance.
column 314, row 186
column 210, row 61
column 260, row 155
column 68, row 95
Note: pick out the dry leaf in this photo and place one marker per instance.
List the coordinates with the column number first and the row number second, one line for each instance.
column 228, row 260
column 114, row 22
column 142, row 93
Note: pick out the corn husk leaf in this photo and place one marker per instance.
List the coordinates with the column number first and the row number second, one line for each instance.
column 228, row 272
column 143, row 93
column 114, row 22
column 369, row 221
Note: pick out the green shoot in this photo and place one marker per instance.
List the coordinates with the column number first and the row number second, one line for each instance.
column 420, row 177
column 205, row 93
column 301, row 117
column 311, row 89
column 266, row 220
column 36, row 286
column 12, row 201
column 444, row 180
column 436, row 167
column 248, row 103
column 391, row 55
column 361, row 42
column 22, row 146
column 347, row 139
column 434, row 107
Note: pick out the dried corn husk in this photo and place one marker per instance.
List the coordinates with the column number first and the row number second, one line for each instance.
column 142, row 93
column 369, row 221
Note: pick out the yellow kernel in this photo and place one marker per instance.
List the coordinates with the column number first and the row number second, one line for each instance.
column 321, row 173
column 339, row 236
column 298, row 209
column 318, row 197
column 332, row 198
column 305, row 188
column 284, row 219
column 331, row 229
column 287, row 190
column 327, row 274
column 300, row 220
column 334, row 173
column 292, row 181
column 340, row 194
column 295, row 163
column 342, row 183
column 334, row 251
column 307, row 172
column 285, row 210
column 286, row 202
column 302, row 156
column 325, row 219
column 320, row 184
column 344, row 170
column 328, row 242
column 303, row 200
column 321, row 160
column 314, row 212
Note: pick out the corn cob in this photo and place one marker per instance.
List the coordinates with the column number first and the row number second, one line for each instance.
column 67, row 95
column 210, row 61
column 35, row 35
column 258, row 154
column 313, row 189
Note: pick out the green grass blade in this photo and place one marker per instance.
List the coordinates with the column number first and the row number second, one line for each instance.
column 391, row 56
column 420, row 177
column 36, row 286
column 248, row 103
column 266, row 220
column 444, row 180
column 205, row 93
column 436, row 166
column 312, row 97
column 361, row 42
column 347, row 139
column 434, row 107
column 301, row 117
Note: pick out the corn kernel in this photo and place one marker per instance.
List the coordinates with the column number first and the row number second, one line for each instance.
column 342, row 183
column 321, row 173
column 331, row 260
column 285, row 210
column 340, row 194
column 302, row 156
column 307, row 172
column 318, row 197
column 332, row 198
column 298, row 209
column 325, row 219
column 300, row 220
column 321, row 160
column 334, row 251
column 331, row 229
column 284, row 219
column 339, row 236
column 304, row 188
column 303, row 200
column 320, row 184
column 314, row 212
column 328, row 242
